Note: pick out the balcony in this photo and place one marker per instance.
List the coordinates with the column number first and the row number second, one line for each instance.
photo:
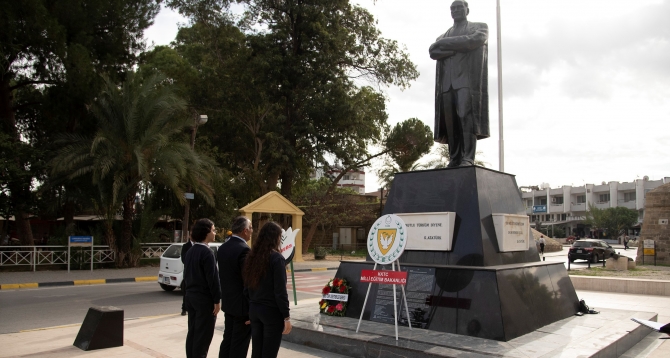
column 627, row 204
column 556, row 208
column 578, row 207
column 602, row 205
column 626, row 186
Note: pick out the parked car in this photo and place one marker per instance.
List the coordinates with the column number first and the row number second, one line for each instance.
column 590, row 249
column 171, row 271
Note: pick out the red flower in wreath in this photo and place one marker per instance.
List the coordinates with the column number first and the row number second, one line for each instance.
column 331, row 309
column 336, row 282
column 339, row 307
column 326, row 290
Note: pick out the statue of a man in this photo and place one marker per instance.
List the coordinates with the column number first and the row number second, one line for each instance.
column 461, row 86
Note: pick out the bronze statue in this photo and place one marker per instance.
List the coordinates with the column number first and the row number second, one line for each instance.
column 461, row 86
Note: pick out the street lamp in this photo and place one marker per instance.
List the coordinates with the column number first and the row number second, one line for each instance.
column 198, row 121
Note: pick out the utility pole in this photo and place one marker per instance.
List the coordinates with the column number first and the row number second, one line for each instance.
column 198, row 121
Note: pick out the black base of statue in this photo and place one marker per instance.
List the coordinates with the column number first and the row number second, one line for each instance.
column 102, row 328
column 474, row 289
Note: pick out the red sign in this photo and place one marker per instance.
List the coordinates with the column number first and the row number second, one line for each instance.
column 384, row 277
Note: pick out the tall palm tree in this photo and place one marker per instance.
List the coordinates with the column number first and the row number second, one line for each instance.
column 136, row 143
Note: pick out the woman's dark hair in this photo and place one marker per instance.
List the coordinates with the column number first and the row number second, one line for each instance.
column 258, row 259
column 200, row 229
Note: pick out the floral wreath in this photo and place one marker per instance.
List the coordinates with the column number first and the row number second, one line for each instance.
column 334, row 307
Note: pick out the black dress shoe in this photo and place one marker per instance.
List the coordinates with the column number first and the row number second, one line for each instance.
column 183, row 312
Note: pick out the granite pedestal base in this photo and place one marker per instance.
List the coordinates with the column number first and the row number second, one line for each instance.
column 496, row 302
column 608, row 334
column 475, row 289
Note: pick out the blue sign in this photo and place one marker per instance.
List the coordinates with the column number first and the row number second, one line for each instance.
column 539, row 208
column 81, row 240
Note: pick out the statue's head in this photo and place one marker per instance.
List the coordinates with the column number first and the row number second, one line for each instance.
column 459, row 10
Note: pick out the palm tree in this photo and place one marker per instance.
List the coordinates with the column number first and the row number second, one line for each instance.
column 136, row 146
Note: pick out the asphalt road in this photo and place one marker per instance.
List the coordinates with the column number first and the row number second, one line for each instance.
column 25, row 309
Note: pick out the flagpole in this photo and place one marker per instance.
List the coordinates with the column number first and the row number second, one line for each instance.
column 501, row 142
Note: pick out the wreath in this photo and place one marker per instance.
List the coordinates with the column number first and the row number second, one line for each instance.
column 334, row 307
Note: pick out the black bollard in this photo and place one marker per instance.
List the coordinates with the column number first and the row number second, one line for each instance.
column 590, row 259
column 102, row 328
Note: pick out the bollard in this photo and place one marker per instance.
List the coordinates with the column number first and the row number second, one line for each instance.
column 590, row 259
column 568, row 263
column 102, row 328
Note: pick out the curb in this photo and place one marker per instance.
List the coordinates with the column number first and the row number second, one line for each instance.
column 14, row 286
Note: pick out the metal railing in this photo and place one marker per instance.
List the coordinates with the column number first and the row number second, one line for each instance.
column 154, row 250
column 52, row 255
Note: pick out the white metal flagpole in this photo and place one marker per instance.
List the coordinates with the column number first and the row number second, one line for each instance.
column 501, row 153
column 395, row 306
column 404, row 297
column 365, row 302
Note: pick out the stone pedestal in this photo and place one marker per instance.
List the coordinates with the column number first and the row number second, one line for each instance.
column 475, row 289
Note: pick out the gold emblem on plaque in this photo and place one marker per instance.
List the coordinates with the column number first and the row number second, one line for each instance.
column 385, row 239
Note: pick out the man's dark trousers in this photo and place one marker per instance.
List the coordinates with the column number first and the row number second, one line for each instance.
column 201, row 324
column 236, row 337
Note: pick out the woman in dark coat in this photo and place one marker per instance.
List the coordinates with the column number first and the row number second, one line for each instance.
column 265, row 280
column 203, row 290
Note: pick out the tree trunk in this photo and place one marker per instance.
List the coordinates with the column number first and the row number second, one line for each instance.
column 308, row 239
column 23, row 228
column 124, row 247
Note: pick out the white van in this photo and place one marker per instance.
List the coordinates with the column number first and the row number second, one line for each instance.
column 171, row 271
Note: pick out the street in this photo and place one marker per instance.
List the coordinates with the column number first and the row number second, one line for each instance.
column 26, row 309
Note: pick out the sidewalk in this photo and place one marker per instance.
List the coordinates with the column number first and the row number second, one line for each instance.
column 164, row 336
column 160, row 336
column 30, row 279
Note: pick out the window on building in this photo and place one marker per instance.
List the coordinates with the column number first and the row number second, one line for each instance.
column 346, row 177
column 629, row 196
column 564, row 217
column 529, row 203
column 543, row 201
column 604, row 198
column 581, row 199
column 532, row 218
column 557, row 200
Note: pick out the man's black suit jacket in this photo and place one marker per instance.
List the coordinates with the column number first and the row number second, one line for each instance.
column 231, row 256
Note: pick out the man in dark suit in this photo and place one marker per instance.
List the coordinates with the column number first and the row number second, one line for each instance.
column 461, row 86
column 184, row 250
column 231, row 256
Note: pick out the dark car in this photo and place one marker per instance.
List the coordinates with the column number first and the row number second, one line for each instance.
column 590, row 249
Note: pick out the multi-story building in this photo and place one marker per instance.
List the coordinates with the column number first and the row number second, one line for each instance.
column 568, row 205
column 353, row 179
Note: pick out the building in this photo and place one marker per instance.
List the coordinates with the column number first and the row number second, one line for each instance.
column 353, row 179
column 568, row 205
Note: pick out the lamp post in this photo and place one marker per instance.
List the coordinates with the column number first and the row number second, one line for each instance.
column 198, row 121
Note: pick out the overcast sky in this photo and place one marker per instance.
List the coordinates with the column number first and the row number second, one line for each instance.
column 586, row 84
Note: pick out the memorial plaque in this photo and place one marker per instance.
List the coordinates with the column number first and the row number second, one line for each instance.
column 420, row 285
column 429, row 231
column 512, row 232
column 382, row 311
